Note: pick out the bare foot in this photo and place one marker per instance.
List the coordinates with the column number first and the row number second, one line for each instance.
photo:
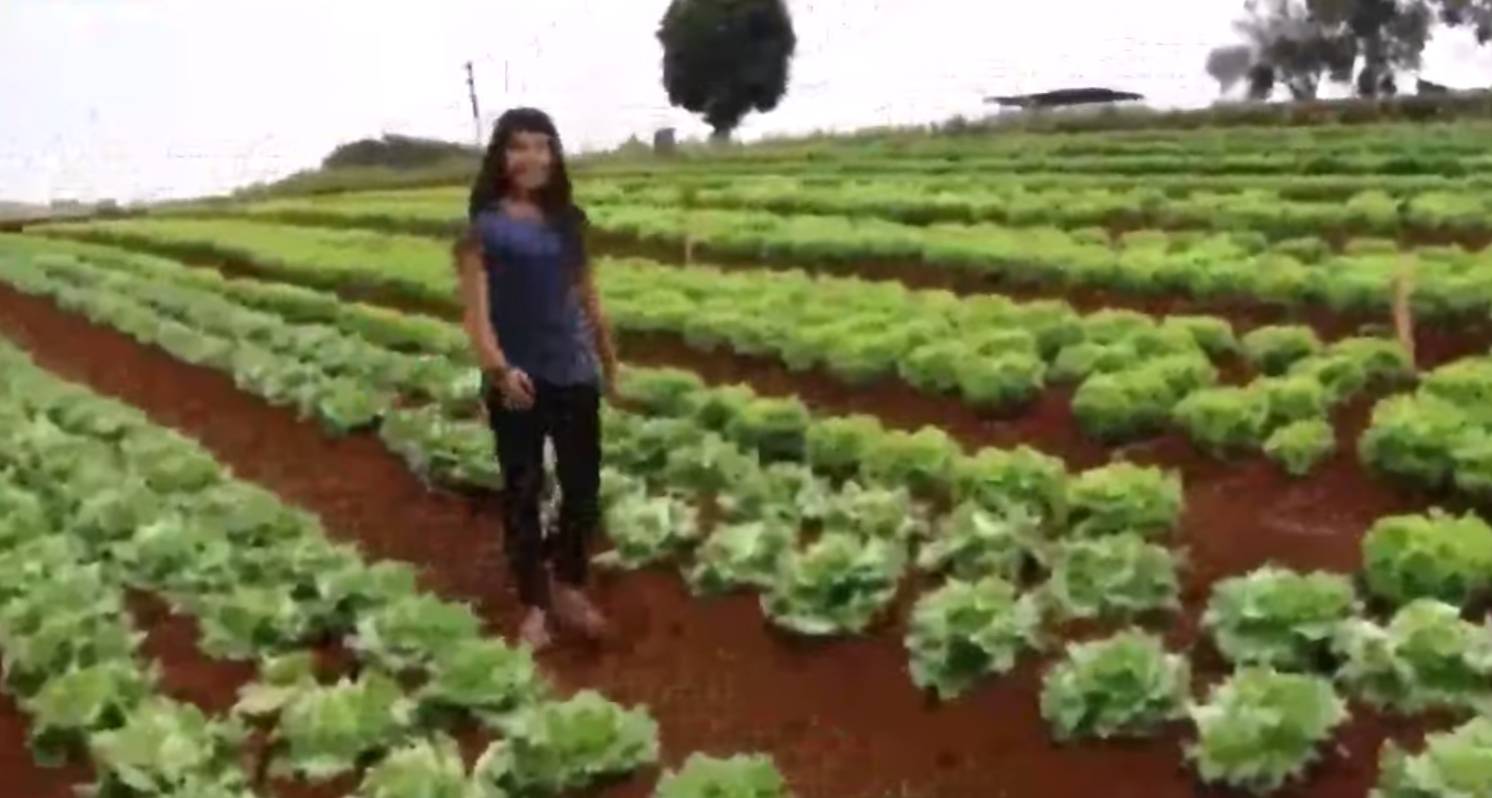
column 534, row 631
column 574, row 610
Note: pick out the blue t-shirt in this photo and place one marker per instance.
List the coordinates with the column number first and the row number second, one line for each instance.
column 534, row 301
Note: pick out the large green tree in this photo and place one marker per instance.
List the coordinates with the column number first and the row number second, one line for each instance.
column 726, row 58
column 1364, row 43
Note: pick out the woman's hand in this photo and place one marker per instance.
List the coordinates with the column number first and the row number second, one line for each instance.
column 514, row 389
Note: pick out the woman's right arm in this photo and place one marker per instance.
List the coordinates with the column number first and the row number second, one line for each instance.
column 474, row 300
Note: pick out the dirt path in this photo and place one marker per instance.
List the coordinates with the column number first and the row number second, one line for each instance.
column 841, row 718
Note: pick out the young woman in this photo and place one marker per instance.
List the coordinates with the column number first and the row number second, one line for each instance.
column 535, row 321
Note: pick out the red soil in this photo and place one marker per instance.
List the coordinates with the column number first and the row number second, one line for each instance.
column 841, row 717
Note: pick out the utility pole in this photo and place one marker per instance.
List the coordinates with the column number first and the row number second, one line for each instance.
column 476, row 116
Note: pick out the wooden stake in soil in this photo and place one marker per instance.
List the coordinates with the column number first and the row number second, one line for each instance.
column 1403, row 287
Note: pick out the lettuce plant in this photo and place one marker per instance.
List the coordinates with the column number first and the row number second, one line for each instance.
column 921, row 460
column 1415, row 437
column 1223, row 420
column 874, row 512
column 1123, row 497
column 974, row 542
column 964, row 631
column 837, row 445
column 1118, row 574
column 739, row 776
column 646, row 529
column 326, row 730
column 1426, row 657
column 740, row 555
column 1435, row 555
column 1124, row 405
column 1453, row 764
column 411, row 631
column 1124, row 685
column 167, row 747
column 1002, row 479
column 1300, row 445
column 837, row 585
column 1272, row 616
column 1260, row 728
column 562, row 746
column 422, row 768
column 1272, row 349
column 484, row 677
column 1001, row 381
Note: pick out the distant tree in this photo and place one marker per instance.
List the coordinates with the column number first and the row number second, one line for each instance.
column 1228, row 65
column 1362, row 43
column 397, row 152
column 726, row 58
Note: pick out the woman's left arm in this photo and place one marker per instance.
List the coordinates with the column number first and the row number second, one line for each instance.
column 590, row 301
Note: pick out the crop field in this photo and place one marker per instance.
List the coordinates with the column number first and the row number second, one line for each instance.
column 1030, row 464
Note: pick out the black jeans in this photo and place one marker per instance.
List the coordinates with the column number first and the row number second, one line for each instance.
column 570, row 416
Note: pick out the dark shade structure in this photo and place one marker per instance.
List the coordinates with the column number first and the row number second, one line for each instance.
column 1061, row 97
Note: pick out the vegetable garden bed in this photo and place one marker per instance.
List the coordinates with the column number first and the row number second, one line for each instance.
column 706, row 667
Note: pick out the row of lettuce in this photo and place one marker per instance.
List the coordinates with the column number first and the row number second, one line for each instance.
column 1295, row 271
column 761, row 457
column 1366, row 213
column 1265, row 211
column 1294, row 188
column 1463, row 138
column 98, row 502
column 1094, row 538
column 1310, row 161
column 1134, row 376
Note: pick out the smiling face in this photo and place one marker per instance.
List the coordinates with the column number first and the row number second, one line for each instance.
column 528, row 161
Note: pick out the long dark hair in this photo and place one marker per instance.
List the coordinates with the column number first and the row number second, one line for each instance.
column 556, row 199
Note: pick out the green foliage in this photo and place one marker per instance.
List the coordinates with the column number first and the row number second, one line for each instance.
column 973, row 543
column 1260, row 729
column 740, row 555
column 739, row 776
column 837, row 445
column 1118, row 574
column 484, row 677
column 1292, row 398
column 1213, row 334
column 646, row 529
column 1272, row 616
column 1002, row 381
column 170, row 748
column 777, row 428
column 424, row 768
column 1435, row 555
column 920, row 460
column 1300, row 445
column 1272, row 349
column 966, row 630
column 1124, row 405
column 876, row 513
column 409, row 631
column 326, row 730
column 1415, row 437
column 1124, row 497
column 1223, row 420
column 1008, row 479
column 724, row 58
column 1427, row 657
column 1454, row 763
column 560, row 746
column 1124, row 685
column 837, row 585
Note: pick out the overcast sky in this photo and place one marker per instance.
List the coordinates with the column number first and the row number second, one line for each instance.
column 148, row 99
